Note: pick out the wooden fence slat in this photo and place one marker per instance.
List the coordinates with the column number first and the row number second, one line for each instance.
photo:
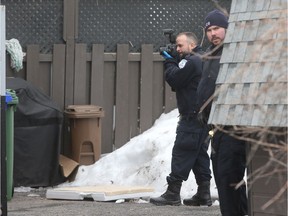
column 69, row 36
column 97, row 74
column 134, row 88
column 122, row 131
column 33, row 67
column 146, row 93
column 158, row 90
column 109, row 107
column 80, row 81
column 58, row 74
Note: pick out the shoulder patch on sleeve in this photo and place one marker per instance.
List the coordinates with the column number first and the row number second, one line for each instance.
column 182, row 63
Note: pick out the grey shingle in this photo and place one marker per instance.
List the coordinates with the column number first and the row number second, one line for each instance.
column 273, row 114
column 276, row 14
column 230, row 33
column 258, row 15
column 274, row 92
column 233, row 96
column 233, row 7
column 260, row 5
column 266, row 4
column 245, row 93
column 239, row 28
column 228, row 53
column 265, row 69
column 254, row 72
column 252, row 94
column 247, row 114
column 251, row 30
column 234, row 74
column 222, row 76
column 250, row 72
column 230, row 114
column 223, row 113
column 240, row 52
column 265, row 56
column 262, row 94
column 252, row 51
column 243, row 5
column 251, row 6
column 237, row 115
column 259, row 115
column 278, row 4
column 284, row 117
column 233, row 18
column 221, row 92
column 276, row 72
column 244, row 16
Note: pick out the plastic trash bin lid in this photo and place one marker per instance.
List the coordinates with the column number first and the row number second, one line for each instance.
column 84, row 111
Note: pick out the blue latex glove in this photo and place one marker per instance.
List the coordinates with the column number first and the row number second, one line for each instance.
column 166, row 55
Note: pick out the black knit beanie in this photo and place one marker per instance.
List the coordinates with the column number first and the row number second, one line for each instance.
column 216, row 18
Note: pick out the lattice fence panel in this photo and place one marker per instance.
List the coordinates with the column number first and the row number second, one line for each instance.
column 137, row 22
column 35, row 22
column 108, row 22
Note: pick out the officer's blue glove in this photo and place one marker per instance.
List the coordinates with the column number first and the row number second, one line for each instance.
column 166, row 55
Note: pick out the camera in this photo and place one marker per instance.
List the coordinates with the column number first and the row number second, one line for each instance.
column 172, row 39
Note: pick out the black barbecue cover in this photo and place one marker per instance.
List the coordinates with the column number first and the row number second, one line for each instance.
column 37, row 136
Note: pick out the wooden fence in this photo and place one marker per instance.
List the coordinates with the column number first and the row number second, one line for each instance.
column 129, row 86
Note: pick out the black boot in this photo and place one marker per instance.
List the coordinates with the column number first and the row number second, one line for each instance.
column 170, row 197
column 202, row 197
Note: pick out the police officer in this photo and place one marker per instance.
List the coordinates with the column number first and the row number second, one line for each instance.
column 228, row 153
column 189, row 150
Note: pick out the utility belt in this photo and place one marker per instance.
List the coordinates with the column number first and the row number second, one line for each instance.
column 188, row 117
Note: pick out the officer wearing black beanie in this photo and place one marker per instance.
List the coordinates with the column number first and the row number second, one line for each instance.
column 228, row 154
column 216, row 18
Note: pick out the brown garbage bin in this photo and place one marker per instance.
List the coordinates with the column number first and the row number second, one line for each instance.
column 85, row 124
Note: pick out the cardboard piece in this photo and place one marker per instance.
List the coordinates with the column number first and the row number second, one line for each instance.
column 68, row 167
column 99, row 193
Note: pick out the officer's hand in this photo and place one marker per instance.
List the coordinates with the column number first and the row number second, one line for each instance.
column 202, row 118
column 173, row 53
column 166, row 55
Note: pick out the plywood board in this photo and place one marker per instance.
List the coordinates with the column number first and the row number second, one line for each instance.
column 99, row 193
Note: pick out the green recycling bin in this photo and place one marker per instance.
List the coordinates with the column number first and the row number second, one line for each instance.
column 11, row 103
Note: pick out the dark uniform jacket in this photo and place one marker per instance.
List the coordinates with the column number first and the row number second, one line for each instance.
column 184, row 78
column 207, row 83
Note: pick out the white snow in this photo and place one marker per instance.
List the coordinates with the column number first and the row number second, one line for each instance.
column 144, row 160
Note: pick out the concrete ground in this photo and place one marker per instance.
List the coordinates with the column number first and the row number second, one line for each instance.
column 34, row 203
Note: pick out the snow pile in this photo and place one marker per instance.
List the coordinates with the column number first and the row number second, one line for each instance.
column 144, row 160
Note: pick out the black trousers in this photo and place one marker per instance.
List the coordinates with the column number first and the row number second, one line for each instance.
column 229, row 163
column 190, row 152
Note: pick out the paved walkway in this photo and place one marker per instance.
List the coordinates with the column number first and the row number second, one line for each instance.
column 34, row 203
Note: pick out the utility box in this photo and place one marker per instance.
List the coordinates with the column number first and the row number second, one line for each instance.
column 85, row 129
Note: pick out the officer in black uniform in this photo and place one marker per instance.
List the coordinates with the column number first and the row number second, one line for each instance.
column 228, row 153
column 190, row 149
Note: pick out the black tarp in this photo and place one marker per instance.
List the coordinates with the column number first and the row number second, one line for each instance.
column 37, row 136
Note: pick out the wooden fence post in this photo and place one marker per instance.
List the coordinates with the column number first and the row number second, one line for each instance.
column 122, row 129
column 58, row 74
column 70, row 31
column 33, row 64
column 80, row 79
column 97, row 75
column 146, row 92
